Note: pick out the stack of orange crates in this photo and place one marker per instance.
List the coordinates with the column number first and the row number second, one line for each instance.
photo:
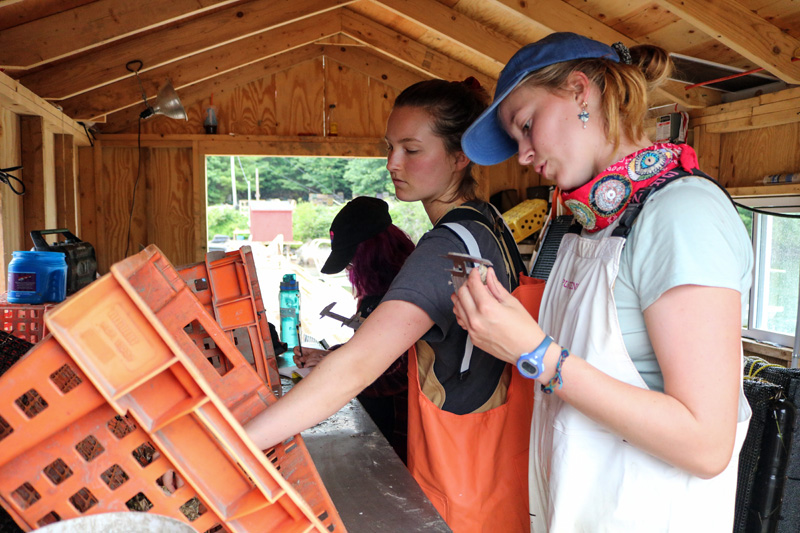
column 228, row 289
column 24, row 321
column 120, row 397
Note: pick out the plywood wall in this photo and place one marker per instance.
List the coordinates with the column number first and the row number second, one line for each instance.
column 290, row 112
column 747, row 156
column 126, row 213
column 303, row 100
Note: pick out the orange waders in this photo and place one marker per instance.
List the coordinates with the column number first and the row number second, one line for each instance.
column 474, row 467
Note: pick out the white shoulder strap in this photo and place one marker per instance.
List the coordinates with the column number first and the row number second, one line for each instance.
column 472, row 249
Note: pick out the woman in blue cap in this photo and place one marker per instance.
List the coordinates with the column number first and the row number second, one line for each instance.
column 640, row 415
column 468, row 413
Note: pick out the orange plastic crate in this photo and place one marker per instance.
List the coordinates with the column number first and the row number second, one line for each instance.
column 94, row 416
column 228, row 289
column 24, row 321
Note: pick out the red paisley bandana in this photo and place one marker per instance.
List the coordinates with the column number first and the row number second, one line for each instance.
column 602, row 200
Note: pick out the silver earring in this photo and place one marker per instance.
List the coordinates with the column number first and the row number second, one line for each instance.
column 584, row 115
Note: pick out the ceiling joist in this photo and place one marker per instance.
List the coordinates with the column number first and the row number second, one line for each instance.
column 74, row 52
column 102, row 22
column 745, row 32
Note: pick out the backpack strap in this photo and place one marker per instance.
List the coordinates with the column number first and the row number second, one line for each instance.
column 501, row 233
column 508, row 247
column 640, row 197
column 474, row 250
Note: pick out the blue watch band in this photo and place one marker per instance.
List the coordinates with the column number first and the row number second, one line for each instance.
column 531, row 364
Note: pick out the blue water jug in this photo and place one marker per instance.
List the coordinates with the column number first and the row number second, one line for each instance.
column 37, row 277
column 290, row 317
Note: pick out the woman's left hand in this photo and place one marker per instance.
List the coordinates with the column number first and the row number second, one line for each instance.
column 305, row 357
column 496, row 321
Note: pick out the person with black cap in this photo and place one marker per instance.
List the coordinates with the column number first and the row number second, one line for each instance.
column 468, row 413
column 373, row 250
column 640, row 414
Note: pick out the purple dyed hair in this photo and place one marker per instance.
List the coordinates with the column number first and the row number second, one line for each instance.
column 378, row 260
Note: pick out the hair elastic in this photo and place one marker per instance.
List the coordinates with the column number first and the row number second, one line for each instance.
column 623, row 52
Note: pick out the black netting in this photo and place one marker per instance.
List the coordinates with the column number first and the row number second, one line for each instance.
column 769, row 383
column 11, row 350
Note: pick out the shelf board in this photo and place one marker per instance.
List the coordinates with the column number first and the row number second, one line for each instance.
column 765, row 190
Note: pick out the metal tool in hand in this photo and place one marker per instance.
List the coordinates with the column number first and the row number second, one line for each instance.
column 353, row 322
column 463, row 265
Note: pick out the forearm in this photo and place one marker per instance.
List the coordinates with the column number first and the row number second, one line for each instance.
column 389, row 331
column 652, row 421
column 333, row 383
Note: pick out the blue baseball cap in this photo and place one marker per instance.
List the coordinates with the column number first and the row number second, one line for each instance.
column 485, row 142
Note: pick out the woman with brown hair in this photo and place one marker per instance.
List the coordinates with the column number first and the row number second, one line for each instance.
column 468, row 417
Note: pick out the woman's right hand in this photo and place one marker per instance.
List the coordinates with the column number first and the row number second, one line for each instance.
column 496, row 321
column 308, row 357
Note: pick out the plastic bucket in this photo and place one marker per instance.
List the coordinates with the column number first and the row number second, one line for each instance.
column 37, row 277
column 125, row 522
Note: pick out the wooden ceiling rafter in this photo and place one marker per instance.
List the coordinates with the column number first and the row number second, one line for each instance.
column 400, row 48
column 745, row 32
column 459, row 28
column 199, row 41
column 555, row 15
column 95, row 69
column 91, row 25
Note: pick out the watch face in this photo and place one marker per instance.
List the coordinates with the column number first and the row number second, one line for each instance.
column 529, row 368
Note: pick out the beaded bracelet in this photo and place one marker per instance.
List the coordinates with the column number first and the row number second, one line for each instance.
column 551, row 385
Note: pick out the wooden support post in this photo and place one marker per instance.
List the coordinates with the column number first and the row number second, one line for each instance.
column 199, row 202
column 64, row 159
column 87, row 223
column 33, row 202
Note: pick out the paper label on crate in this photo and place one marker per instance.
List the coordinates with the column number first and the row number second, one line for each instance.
column 22, row 281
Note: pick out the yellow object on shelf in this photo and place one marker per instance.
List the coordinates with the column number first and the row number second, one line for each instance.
column 526, row 218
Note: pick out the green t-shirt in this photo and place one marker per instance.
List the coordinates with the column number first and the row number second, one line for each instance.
column 688, row 233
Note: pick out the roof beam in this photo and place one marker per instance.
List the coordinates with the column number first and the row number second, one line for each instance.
column 224, row 83
column 556, row 15
column 96, row 69
column 739, row 28
column 84, row 27
column 196, row 68
column 408, row 52
column 457, row 27
column 697, row 97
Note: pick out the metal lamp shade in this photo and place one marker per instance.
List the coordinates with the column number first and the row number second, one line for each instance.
column 167, row 103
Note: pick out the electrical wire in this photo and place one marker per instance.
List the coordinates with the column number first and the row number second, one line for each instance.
column 764, row 212
column 89, row 135
column 6, row 178
column 135, row 184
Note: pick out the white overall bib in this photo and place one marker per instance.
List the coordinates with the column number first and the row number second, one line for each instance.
column 583, row 478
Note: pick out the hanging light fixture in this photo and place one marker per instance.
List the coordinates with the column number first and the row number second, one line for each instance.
column 166, row 103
